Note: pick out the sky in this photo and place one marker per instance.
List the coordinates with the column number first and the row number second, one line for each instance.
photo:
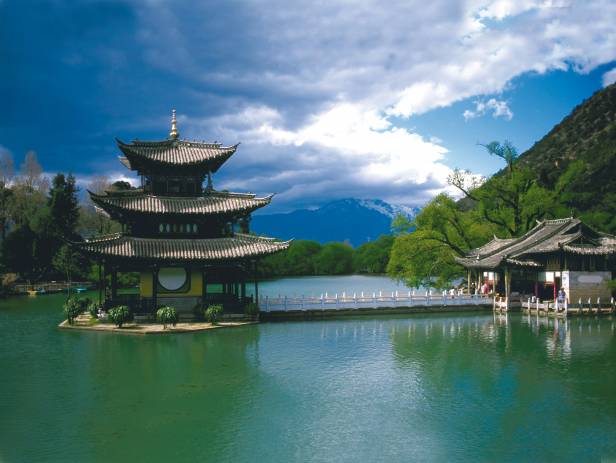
column 329, row 99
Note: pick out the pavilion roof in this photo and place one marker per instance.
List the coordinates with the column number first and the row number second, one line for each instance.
column 239, row 246
column 569, row 235
column 213, row 203
column 145, row 155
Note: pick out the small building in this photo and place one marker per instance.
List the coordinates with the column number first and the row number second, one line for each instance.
column 190, row 243
column 563, row 253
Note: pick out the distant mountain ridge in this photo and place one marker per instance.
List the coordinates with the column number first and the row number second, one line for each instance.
column 356, row 221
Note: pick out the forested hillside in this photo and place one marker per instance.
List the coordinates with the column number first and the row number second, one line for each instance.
column 577, row 159
column 571, row 171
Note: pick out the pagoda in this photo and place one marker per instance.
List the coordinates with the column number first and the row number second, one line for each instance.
column 190, row 243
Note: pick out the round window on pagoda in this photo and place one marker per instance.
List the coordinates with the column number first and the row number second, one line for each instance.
column 172, row 278
column 194, row 228
column 175, row 228
column 161, row 228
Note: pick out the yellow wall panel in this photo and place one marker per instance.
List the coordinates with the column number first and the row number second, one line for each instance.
column 145, row 284
column 195, row 289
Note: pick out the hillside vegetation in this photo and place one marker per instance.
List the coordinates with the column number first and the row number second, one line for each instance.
column 577, row 159
column 570, row 171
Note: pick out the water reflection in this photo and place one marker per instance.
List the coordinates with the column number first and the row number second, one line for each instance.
column 477, row 387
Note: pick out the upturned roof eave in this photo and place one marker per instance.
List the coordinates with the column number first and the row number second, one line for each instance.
column 106, row 202
column 138, row 161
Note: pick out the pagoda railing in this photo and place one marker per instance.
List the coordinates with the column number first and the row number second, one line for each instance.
column 372, row 300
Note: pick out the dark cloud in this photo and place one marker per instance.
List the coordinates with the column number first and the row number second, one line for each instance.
column 278, row 76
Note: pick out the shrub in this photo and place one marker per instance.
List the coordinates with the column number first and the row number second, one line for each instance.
column 167, row 316
column 93, row 309
column 251, row 309
column 213, row 313
column 72, row 308
column 119, row 315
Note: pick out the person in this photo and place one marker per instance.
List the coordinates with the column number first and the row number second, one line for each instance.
column 484, row 288
column 562, row 296
column 473, row 289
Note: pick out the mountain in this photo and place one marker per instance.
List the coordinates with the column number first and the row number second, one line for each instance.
column 578, row 159
column 354, row 220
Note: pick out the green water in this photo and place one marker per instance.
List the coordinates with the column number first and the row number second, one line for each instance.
column 438, row 388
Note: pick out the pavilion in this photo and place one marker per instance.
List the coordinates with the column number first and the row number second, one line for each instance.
column 563, row 253
column 190, row 243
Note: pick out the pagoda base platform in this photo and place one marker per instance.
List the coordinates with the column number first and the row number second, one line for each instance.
column 187, row 307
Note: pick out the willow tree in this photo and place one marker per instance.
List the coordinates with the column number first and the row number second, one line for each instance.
column 508, row 204
column 424, row 249
column 512, row 200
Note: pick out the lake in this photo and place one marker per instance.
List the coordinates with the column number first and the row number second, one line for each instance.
column 402, row 388
column 317, row 285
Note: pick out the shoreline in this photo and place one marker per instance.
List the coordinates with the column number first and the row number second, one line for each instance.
column 143, row 329
column 154, row 328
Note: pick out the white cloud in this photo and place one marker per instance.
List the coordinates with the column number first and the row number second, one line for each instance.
column 316, row 98
column 609, row 77
column 497, row 108
column 346, row 150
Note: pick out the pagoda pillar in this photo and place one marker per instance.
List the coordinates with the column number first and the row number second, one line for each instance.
column 256, row 284
column 104, row 285
column 114, row 283
column 203, row 288
column 468, row 282
column 100, row 283
column 154, row 288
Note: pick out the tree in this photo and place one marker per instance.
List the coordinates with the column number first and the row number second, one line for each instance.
column 7, row 172
column 7, row 168
column 120, row 315
column 31, row 173
column 167, row 316
column 373, row 257
column 93, row 221
column 424, row 249
column 298, row 259
column 64, row 206
column 334, row 259
column 70, row 263
column 28, row 192
column 212, row 313
column 512, row 200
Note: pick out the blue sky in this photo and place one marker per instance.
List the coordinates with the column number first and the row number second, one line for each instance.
column 330, row 99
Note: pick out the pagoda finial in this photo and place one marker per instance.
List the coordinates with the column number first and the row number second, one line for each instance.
column 174, row 126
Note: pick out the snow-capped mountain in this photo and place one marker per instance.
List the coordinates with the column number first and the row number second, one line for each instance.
column 356, row 221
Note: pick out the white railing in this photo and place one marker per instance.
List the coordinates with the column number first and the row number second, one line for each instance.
column 566, row 308
column 373, row 300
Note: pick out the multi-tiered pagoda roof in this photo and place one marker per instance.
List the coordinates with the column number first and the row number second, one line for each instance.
column 240, row 246
column 214, row 202
column 144, row 156
column 568, row 235
column 172, row 217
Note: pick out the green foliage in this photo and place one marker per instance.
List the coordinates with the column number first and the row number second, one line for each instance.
column 64, row 206
column 120, row 315
column 93, row 309
column 334, row 259
column 251, row 309
column 167, row 316
column 373, row 257
column 577, row 160
column 213, row 313
column 73, row 307
column 425, row 257
column 34, row 248
column 297, row 260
